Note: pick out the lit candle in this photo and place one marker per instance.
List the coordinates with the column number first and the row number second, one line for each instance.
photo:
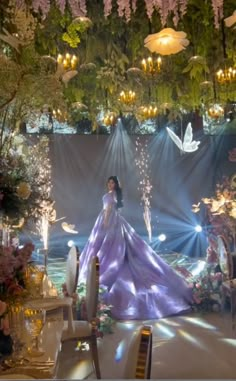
column 59, row 58
column 144, row 65
column 150, row 64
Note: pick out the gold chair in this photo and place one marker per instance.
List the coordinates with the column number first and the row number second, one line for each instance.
column 228, row 288
column 139, row 359
column 86, row 330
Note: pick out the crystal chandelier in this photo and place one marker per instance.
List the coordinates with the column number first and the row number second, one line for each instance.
column 68, row 61
column 151, row 66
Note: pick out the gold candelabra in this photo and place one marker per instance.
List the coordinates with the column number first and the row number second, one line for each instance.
column 149, row 112
column 61, row 116
column 109, row 119
column 226, row 75
column 127, row 97
column 68, row 61
column 216, row 111
column 151, row 66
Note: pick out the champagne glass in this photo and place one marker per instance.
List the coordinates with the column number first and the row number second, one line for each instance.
column 34, row 322
column 16, row 323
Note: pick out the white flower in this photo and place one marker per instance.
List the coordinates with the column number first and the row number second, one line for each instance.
column 166, row 42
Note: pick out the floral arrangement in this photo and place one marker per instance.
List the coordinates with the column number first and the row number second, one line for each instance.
column 206, row 286
column 105, row 320
column 221, row 211
column 125, row 8
column 15, row 190
column 13, row 262
column 207, row 290
column 25, row 185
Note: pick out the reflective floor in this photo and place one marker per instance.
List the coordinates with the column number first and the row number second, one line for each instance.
column 185, row 347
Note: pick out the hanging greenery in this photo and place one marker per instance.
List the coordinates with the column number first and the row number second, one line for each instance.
column 33, row 33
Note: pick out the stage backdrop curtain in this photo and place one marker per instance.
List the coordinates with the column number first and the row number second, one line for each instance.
column 81, row 165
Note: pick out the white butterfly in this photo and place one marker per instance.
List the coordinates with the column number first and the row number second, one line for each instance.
column 69, row 228
column 188, row 144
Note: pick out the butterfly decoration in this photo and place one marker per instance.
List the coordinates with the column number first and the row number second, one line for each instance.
column 69, row 228
column 196, row 207
column 188, row 144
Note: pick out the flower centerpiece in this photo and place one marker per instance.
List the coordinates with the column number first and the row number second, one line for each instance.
column 206, row 285
column 221, row 211
column 207, row 290
column 13, row 263
column 221, row 216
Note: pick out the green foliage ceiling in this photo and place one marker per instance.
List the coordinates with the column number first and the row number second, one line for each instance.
column 107, row 48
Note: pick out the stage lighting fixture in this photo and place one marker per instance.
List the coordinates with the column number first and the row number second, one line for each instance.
column 162, row 237
column 70, row 243
column 198, row 228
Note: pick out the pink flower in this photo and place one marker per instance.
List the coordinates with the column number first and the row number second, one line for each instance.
column 218, row 276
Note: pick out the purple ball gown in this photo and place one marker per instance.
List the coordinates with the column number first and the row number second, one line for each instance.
column 140, row 285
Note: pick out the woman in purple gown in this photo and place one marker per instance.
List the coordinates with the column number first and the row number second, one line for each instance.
column 140, row 285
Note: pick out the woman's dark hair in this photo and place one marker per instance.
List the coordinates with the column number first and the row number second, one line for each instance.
column 118, row 190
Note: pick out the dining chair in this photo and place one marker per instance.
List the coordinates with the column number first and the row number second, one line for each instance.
column 139, row 358
column 85, row 331
column 228, row 287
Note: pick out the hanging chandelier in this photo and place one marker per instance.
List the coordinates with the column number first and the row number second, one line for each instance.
column 226, row 75
column 148, row 112
column 151, row 66
column 68, row 61
column 109, row 119
column 59, row 115
column 216, row 111
column 127, row 97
